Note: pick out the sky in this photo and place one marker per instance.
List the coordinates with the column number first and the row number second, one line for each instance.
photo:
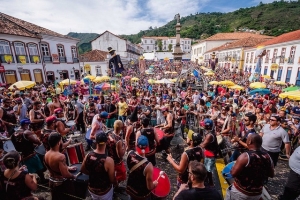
column 116, row 16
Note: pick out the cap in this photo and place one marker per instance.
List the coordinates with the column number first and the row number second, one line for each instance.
column 142, row 146
column 101, row 138
column 208, row 122
column 163, row 109
column 272, row 102
column 51, row 119
column 58, row 110
column 104, row 114
column 24, row 121
column 196, row 138
column 18, row 100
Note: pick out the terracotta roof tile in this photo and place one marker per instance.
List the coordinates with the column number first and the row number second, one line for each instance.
column 94, row 56
column 235, row 36
column 286, row 37
column 28, row 28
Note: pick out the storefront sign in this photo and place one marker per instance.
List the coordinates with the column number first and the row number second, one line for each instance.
column 87, row 67
column 36, row 59
column 274, row 66
column 55, row 58
column 8, row 58
column 22, row 59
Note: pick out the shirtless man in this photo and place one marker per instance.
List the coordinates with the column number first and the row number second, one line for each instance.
column 55, row 162
column 37, row 118
column 55, row 104
column 60, row 125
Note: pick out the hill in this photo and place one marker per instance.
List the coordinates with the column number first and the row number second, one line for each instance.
column 84, row 45
column 270, row 19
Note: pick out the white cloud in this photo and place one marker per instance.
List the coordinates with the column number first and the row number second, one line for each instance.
column 117, row 16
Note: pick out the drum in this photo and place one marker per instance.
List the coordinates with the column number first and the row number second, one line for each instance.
column 75, row 153
column 88, row 133
column 160, row 133
column 8, row 146
column 226, row 173
column 163, row 187
column 70, row 123
column 81, row 182
column 41, row 150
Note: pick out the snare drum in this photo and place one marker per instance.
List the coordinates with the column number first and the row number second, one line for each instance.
column 160, row 133
column 70, row 123
column 75, row 153
column 41, row 150
column 81, row 182
column 163, row 187
column 226, row 173
column 8, row 146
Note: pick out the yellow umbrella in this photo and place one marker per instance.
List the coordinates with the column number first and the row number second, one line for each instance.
column 279, row 83
column 67, row 82
column 90, row 77
column 287, row 94
column 205, row 69
column 22, row 85
column 135, row 79
column 266, row 76
column 227, row 83
column 97, row 79
column 236, row 87
column 295, row 97
column 173, row 80
column 166, row 58
column 168, row 72
column 105, row 78
column 209, row 74
column 151, row 81
column 257, row 85
column 174, row 72
column 214, row 82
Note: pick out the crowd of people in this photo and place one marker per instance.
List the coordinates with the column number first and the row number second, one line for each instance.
column 126, row 128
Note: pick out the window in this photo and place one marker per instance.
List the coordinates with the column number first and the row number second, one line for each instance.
column 60, row 50
column 98, row 70
column 171, row 41
column 288, row 75
column 279, row 74
column 292, row 55
column 33, row 51
column 20, row 48
column 45, row 49
column 251, row 58
column 4, row 47
column 164, row 42
column 247, row 58
column 200, row 49
column 282, row 57
column 145, row 41
column 147, row 47
column 267, row 56
column 298, row 78
column 274, row 55
column 151, row 41
column 265, row 70
column 184, row 42
column 74, row 52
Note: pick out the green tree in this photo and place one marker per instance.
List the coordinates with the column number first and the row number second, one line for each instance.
column 170, row 47
column 159, row 44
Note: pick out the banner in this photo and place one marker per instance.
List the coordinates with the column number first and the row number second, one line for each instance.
column 87, row 67
column 274, row 66
column 8, row 58
column 55, row 58
column 36, row 59
column 22, row 59
column 2, row 69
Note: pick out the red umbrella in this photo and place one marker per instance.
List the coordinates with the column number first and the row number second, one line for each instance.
column 127, row 77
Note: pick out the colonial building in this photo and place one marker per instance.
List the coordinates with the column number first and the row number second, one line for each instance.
column 231, row 55
column 31, row 52
column 127, row 50
column 284, row 51
column 217, row 40
column 151, row 44
column 94, row 62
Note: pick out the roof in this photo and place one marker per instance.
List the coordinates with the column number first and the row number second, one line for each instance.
column 107, row 32
column 94, row 56
column 242, row 43
column 235, row 36
column 14, row 26
column 286, row 37
column 162, row 38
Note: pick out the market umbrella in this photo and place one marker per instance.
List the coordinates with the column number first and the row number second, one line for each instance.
column 127, row 77
column 151, row 81
column 256, row 85
column 104, row 86
column 227, row 83
column 22, row 85
column 266, row 76
column 135, row 79
column 286, row 94
column 105, row 78
column 260, row 91
column 168, row 72
column 293, row 88
column 209, row 73
column 90, row 77
column 214, row 83
column 97, row 79
column 236, row 87
column 279, row 83
column 295, row 96
column 173, row 80
column 67, row 82
column 164, row 81
column 174, row 72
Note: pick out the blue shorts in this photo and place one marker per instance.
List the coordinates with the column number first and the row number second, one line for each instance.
column 210, row 164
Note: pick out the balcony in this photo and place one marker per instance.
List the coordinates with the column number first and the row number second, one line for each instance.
column 62, row 59
column 18, row 58
column 32, row 60
column 47, row 59
column 2, row 58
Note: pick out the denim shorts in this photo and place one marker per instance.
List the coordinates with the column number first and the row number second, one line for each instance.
column 209, row 164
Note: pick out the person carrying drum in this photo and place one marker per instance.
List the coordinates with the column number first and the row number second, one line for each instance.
column 152, row 137
column 60, row 177
column 140, row 181
column 69, row 109
column 131, row 129
column 8, row 116
column 37, row 118
column 250, row 171
column 25, row 141
column 168, row 128
column 60, row 124
column 79, row 107
column 116, row 150
column 89, row 114
column 112, row 111
column 193, row 152
column 210, row 145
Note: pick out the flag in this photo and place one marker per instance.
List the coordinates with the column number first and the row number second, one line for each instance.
column 196, row 73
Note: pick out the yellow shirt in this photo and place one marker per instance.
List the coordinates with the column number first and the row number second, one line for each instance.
column 122, row 108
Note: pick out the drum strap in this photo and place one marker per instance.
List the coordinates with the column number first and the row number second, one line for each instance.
column 137, row 165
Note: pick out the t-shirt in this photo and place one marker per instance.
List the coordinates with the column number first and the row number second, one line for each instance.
column 272, row 139
column 296, row 110
column 294, row 161
column 23, row 111
column 122, row 108
column 199, row 194
column 196, row 98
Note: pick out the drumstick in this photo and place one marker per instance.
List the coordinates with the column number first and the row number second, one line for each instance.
column 77, row 174
column 160, row 174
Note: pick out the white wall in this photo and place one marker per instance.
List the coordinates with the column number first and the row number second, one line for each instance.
column 162, row 55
